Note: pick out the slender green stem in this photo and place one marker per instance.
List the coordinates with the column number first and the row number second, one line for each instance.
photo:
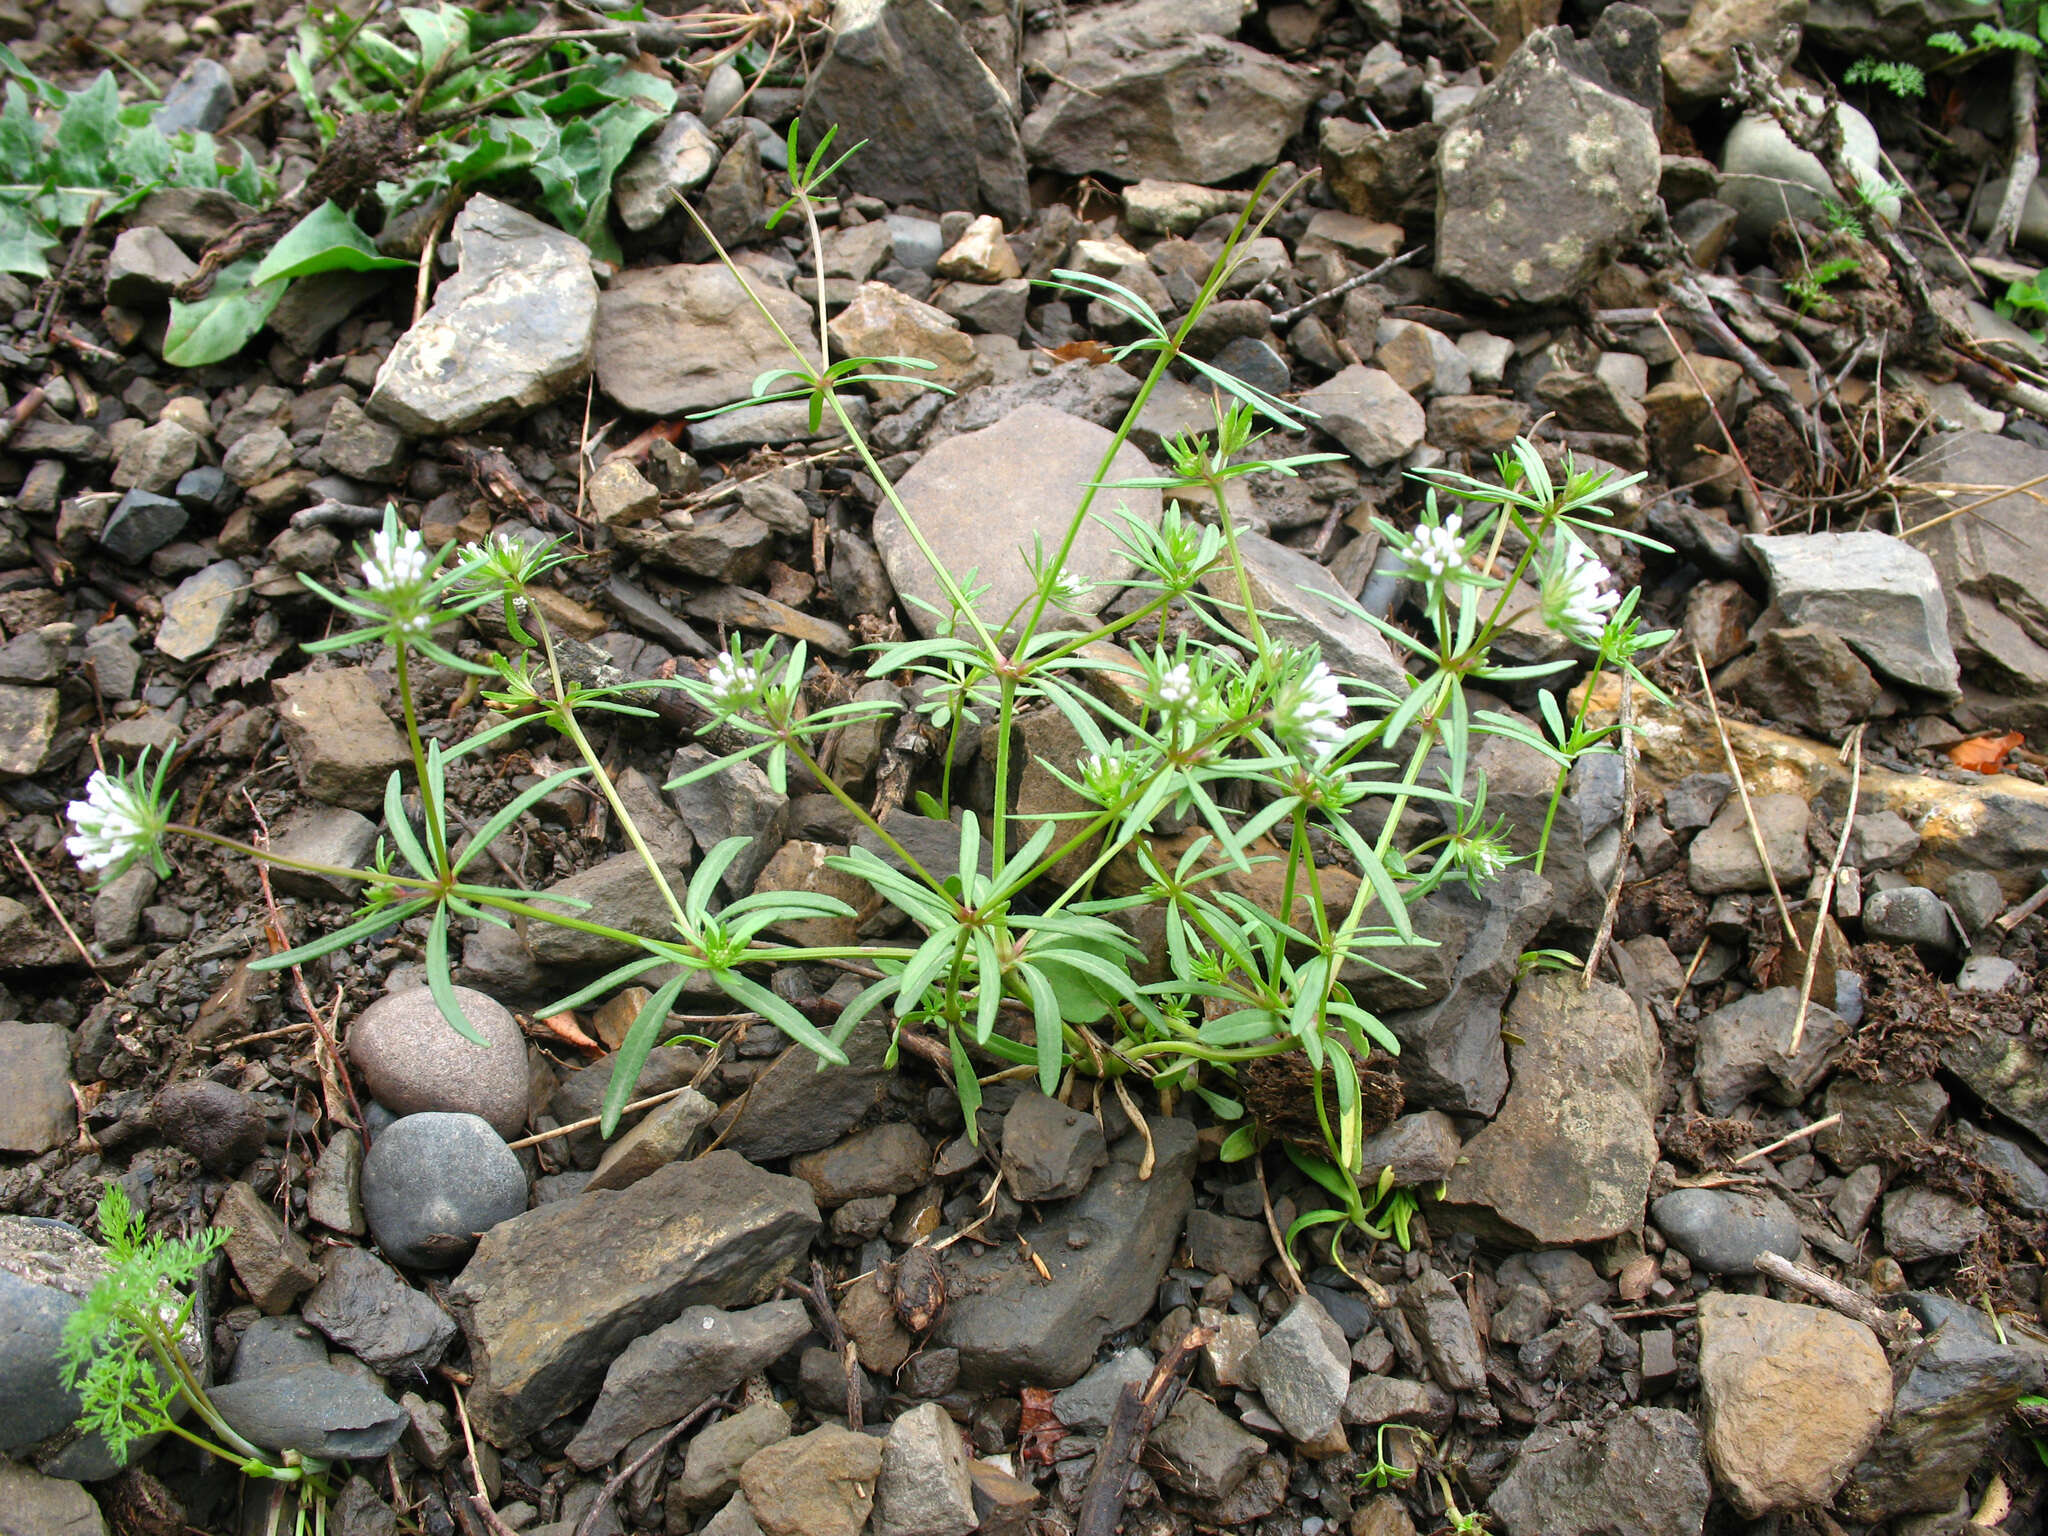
column 862, row 814
column 437, row 838
column 303, row 866
column 1237, row 565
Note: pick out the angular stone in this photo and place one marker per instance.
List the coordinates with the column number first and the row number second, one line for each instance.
column 365, row 1308
column 924, row 1488
column 1199, row 110
column 1805, row 677
column 198, row 609
column 672, row 340
column 793, row 1107
column 141, row 524
column 664, row 1375
column 334, row 1193
column 1012, row 1327
column 1298, row 603
column 322, row 834
column 1878, row 1120
column 413, row 1060
column 1049, row 1150
column 1544, row 178
column 885, row 322
column 819, row 1484
column 1791, row 1399
column 36, row 1505
column 318, row 1410
column 979, row 498
column 1879, row 593
column 619, row 494
column 940, row 129
column 28, row 729
column 711, row 1465
column 155, row 457
column 1641, row 1471
column 1568, row 1158
column 650, row 184
column 342, row 743
column 510, row 331
column 1723, row 857
column 269, row 1259
column 359, row 446
column 2008, row 1072
column 622, row 889
column 1742, row 1050
column 37, row 1111
column 891, row 1159
column 552, row 1296
column 1374, row 418
column 658, row 1140
column 1302, row 1368
column 1207, row 1453
column 1091, row 1402
column 144, row 266
column 735, row 801
column 1922, row 1223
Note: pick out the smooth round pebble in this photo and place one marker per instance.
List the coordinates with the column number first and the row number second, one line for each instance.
column 219, row 1126
column 1724, row 1230
column 434, row 1183
column 415, row 1062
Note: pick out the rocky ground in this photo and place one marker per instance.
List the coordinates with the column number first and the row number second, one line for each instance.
column 861, row 1319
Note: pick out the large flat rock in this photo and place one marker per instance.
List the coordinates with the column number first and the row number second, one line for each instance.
column 670, row 340
column 552, row 1297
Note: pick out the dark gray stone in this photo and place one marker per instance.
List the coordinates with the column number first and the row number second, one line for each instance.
column 1922, row 1223
column 736, row 801
column 221, row 1127
column 198, row 101
column 1207, row 1453
column 1049, row 1150
column 1436, row 1313
column 432, row 1183
column 1909, row 914
column 317, row 1410
column 1642, row 1472
column 142, row 524
column 1106, row 1251
column 1302, row 1368
column 552, row 1297
column 1880, row 594
column 365, row 1308
column 1724, row 1230
column 1089, row 1402
column 1742, row 1050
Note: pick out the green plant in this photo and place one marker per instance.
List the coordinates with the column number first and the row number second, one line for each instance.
column 2033, row 1404
column 70, row 157
column 1809, row 288
column 2025, row 302
column 1015, row 958
column 1901, row 79
column 1384, row 1473
column 122, row 1354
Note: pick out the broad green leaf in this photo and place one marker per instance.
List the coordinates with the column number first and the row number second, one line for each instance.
column 441, row 979
column 221, row 324
column 633, row 1051
column 325, row 240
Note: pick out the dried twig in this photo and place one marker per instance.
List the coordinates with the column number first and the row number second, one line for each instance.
column 631, row 1470
column 1130, row 1423
column 1788, row 1138
column 1853, row 750
column 480, row 1501
column 2026, row 156
column 1273, row 1228
column 43, row 891
column 1289, row 316
column 1892, row 1327
column 1756, row 835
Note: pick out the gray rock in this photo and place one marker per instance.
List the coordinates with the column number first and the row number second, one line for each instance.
column 1298, row 603
column 2024, row 1177
column 1568, row 1158
column 323, row 834
column 315, row 305
column 36, row 656
column 510, row 331
column 37, row 1111
column 258, row 456
column 434, row 1182
column 664, row 1135
column 1642, row 1471
column 117, row 907
column 1765, row 177
column 1880, row 1121
column 735, row 1519
column 198, row 609
column 198, row 101
column 711, row 1465
column 268, row 1257
column 622, row 889
column 1207, row 1453
column 1533, row 223
column 46, row 1270
column 413, row 1061
column 551, row 1297
column 793, row 1107
column 1226, row 1245
column 582, row 1095
column 650, row 184
column 1090, row 1402
column 154, row 458
column 664, row 1375
column 144, row 267
column 28, row 729
column 924, row 1489
column 334, row 1193
column 1986, row 973
column 1723, row 857
column 1302, row 1368
column 1198, row 110
column 1098, row 395
column 1791, row 1399
column 1452, row 1057
column 1806, row 679
column 891, row 1159
column 1106, row 1252
column 1909, row 914
column 1049, row 1151
column 317, row 1410
column 219, row 1126
column 46, row 1506
column 1442, row 1325
column 672, row 340
column 275, row 1344
column 1886, row 840
column 359, row 446
column 941, row 130
column 365, row 1308
column 1376, row 1400
column 1742, row 1050
column 1880, row 594
column 1421, row 1148
column 1375, row 419
column 1922, row 1223
column 736, row 801
column 1952, row 1400
column 342, row 743
column 1724, row 1230
column 819, row 1484
column 980, row 497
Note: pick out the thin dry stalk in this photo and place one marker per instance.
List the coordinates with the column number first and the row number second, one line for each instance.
column 1998, row 493
column 1273, row 1228
column 2026, row 156
column 479, row 1500
column 1753, row 503
column 43, row 891
column 1853, row 750
column 1787, row 1139
column 1756, row 835
column 1892, row 1327
column 1628, row 829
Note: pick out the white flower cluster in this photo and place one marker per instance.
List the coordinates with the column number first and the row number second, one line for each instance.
column 732, row 682
column 1311, row 709
column 115, row 823
column 1067, row 589
column 1574, row 599
column 1176, row 687
column 1482, row 858
column 1436, row 549
column 396, row 563
column 1103, row 775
